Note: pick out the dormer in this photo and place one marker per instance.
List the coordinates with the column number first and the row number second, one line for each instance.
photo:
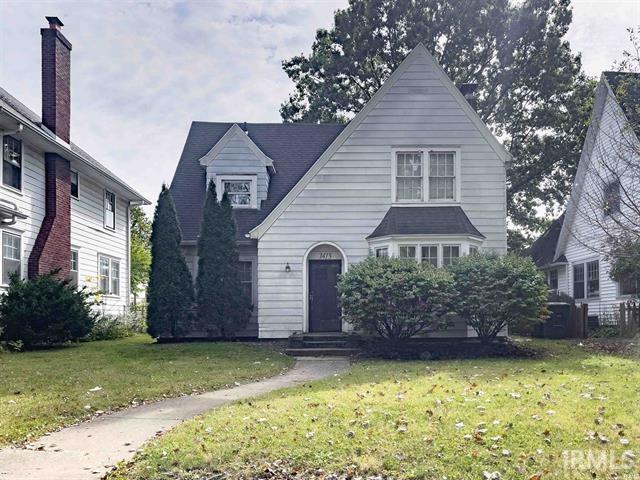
column 239, row 168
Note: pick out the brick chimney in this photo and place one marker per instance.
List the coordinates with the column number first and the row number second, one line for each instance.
column 56, row 79
column 52, row 247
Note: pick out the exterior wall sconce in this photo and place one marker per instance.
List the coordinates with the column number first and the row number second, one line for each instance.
column 287, row 268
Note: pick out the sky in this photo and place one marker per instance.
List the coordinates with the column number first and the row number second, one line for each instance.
column 143, row 71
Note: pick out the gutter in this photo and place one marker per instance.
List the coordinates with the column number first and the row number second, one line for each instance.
column 67, row 152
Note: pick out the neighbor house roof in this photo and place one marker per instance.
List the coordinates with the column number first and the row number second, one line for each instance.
column 24, row 114
column 543, row 250
column 626, row 88
column 425, row 221
column 293, row 147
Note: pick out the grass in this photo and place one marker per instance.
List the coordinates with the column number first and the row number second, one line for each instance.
column 43, row 390
column 452, row 419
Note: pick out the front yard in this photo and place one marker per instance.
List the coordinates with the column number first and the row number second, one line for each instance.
column 43, row 390
column 470, row 419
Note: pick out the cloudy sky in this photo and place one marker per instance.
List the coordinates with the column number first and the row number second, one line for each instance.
column 142, row 71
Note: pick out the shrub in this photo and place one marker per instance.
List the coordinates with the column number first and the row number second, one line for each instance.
column 396, row 298
column 44, row 311
column 496, row 292
column 112, row 327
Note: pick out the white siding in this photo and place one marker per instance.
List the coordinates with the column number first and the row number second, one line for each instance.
column 585, row 241
column 349, row 196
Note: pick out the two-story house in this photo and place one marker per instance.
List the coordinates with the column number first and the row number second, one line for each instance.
column 604, row 201
column 60, row 209
column 415, row 174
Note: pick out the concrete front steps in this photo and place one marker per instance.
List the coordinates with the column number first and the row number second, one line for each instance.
column 323, row 344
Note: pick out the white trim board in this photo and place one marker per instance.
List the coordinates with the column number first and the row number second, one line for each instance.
column 235, row 132
column 258, row 231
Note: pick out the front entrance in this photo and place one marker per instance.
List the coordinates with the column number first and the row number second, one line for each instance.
column 324, row 312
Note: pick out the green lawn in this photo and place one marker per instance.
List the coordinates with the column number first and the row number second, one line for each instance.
column 450, row 419
column 42, row 390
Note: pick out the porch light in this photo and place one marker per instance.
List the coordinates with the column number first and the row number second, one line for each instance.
column 287, row 268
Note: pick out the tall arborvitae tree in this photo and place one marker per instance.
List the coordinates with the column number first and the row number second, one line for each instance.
column 223, row 309
column 170, row 292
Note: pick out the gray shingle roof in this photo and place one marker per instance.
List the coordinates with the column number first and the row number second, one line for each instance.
column 13, row 104
column 425, row 221
column 543, row 250
column 293, row 147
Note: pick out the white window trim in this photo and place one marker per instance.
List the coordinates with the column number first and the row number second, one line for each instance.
column 8, row 187
column 393, row 243
column 104, row 210
column 78, row 175
column 19, row 235
column 425, row 150
column 111, row 259
column 253, row 190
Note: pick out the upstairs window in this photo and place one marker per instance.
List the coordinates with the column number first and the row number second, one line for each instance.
column 11, row 259
column 109, row 210
column 11, row 162
column 241, row 190
column 611, row 196
column 75, row 184
column 442, row 176
column 409, row 176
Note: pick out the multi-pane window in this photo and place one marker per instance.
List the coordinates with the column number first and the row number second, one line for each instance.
column 442, row 176
column 10, row 256
column 578, row 281
column 109, row 210
column 409, row 176
column 382, row 251
column 552, row 279
column 429, row 254
column 73, row 269
column 238, row 192
column 245, row 275
column 11, row 162
column 407, row 251
column 593, row 279
column 611, row 196
column 628, row 286
column 75, row 182
column 109, row 275
column 450, row 254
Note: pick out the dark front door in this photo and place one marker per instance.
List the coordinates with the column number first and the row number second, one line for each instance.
column 324, row 313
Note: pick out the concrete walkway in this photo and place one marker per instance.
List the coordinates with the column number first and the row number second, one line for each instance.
column 89, row 450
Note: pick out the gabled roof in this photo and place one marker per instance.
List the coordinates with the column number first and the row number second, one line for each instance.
column 420, row 49
column 293, row 147
column 625, row 86
column 235, row 132
column 543, row 250
column 440, row 220
column 24, row 114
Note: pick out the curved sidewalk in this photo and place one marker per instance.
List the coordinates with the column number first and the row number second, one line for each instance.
column 89, row 450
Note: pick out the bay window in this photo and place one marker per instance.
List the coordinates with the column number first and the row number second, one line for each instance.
column 381, row 252
column 450, row 254
column 429, row 254
column 407, row 251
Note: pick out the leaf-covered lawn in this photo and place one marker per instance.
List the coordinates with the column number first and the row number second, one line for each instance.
column 42, row 390
column 470, row 419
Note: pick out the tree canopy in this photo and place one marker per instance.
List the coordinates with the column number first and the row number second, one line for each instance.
column 140, row 249
column 531, row 90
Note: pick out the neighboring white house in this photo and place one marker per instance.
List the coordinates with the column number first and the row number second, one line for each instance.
column 573, row 250
column 59, row 207
column 414, row 174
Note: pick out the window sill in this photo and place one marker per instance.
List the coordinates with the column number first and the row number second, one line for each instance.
column 12, row 190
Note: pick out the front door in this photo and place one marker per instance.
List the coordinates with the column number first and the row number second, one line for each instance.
column 324, row 312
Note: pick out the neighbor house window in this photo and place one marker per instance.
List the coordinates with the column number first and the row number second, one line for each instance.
column 245, row 274
column 407, row 251
column 109, row 274
column 409, row 178
column 442, row 177
column 74, row 184
column 450, row 254
column 612, row 198
column 553, row 279
column 578, row 281
column 11, row 162
column 593, row 279
column 109, row 210
column 429, row 254
column 382, row 252
column 10, row 256
column 628, row 286
column 73, row 269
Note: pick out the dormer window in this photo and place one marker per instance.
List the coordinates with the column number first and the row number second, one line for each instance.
column 240, row 189
column 426, row 175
